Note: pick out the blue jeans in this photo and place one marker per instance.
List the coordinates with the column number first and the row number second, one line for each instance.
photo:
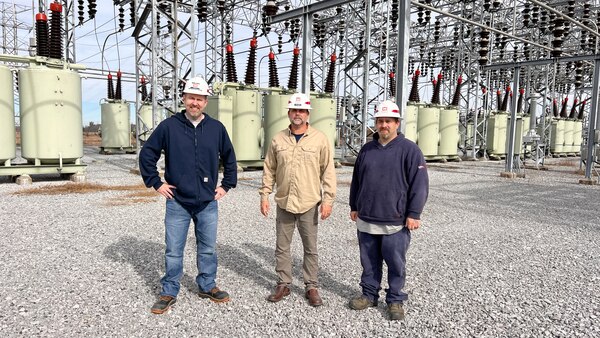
column 374, row 250
column 177, row 222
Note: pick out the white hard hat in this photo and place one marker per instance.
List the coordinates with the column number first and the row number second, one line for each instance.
column 387, row 109
column 196, row 85
column 299, row 101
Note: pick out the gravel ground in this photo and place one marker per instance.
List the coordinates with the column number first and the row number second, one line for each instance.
column 495, row 257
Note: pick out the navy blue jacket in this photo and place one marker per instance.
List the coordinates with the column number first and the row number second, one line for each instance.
column 389, row 183
column 191, row 159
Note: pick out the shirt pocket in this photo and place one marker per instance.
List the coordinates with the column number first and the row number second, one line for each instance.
column 311, row 154
column 283, row 153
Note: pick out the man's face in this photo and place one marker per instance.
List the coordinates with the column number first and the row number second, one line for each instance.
column 387, row 127
column 194, row 104
column 298, row 117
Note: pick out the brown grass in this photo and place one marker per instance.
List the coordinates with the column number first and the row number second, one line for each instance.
column 138, row 193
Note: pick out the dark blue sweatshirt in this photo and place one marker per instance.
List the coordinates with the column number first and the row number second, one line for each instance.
column 191, row 158
column 389, row 183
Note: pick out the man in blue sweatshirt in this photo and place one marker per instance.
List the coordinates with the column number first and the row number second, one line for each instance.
column 388, row 192
column 193, row 144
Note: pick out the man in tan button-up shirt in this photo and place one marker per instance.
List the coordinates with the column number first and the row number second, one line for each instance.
column 300, row 162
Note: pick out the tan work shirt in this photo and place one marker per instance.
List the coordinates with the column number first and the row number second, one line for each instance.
column 303, row 171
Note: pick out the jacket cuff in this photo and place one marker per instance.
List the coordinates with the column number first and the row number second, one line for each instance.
column 157, row 185
column 413, row 215
column 226, row 188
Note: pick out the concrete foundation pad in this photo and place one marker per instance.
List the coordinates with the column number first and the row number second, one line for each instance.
column 78, row 177
column 508, row 174
column 23, row 180
column 588, row 181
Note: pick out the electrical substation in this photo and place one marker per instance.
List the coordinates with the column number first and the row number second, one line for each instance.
column 513, row 81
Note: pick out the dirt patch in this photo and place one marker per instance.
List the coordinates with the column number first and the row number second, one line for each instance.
column 138, row 193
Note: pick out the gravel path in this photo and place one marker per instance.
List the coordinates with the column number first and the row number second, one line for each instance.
column 495, row 257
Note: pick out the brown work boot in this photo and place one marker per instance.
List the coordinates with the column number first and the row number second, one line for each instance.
column 362, row 302
column 395, row 311
column 313, row 297
column 163, row 304
column 215, row 294
column 281, row 291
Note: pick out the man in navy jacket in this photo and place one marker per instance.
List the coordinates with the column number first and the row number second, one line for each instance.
column 193, row 144
column 388, row 192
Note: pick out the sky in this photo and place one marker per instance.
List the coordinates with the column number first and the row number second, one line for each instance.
column 99, row 45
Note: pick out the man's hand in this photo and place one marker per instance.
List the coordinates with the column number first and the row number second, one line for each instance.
column 165, row 190
column 219, row 192
column 354, row 215
column 325, row 211
column 264, row 207
column 413, row 224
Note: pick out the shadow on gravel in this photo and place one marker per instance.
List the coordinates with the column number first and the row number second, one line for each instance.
column 147, row 260
column 235, row 259
column 239, row 262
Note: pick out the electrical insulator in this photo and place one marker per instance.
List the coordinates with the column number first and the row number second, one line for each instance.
column 496, row 5
column 144, row 90
column 543, row 21
column 436, row 30
column 221, row 6
column 392, row 84
column 110, row 94
column 330, row 81
column 132, row 13
column 456, row 35
column 279, row 43
column 420, row 16
column 484, row 41
column 585, row 18
column 273, row 77
column 341, row 29
column 581, row 110
column 81, row 11
column 121, row 18
column 486, row 5
column 526, row 51
column 558, row 41
column 118, row 95
column 578, row 74
column 230, row 64
column 563, row 109
column 250, row 78
column 41, row 35
column 535, row 13
column 414, row 90
column 202, row 7
column 293, row 79
column 571, row 9
column 92, row 8
column 526, row 16
column 270, row 8
column 583, row 40
column 394, row 12
column 435, row 98
column 158, row 23
column 573, row 113
column 56, row 37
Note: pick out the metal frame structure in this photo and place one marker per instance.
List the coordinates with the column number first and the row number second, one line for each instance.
column 542, row 46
